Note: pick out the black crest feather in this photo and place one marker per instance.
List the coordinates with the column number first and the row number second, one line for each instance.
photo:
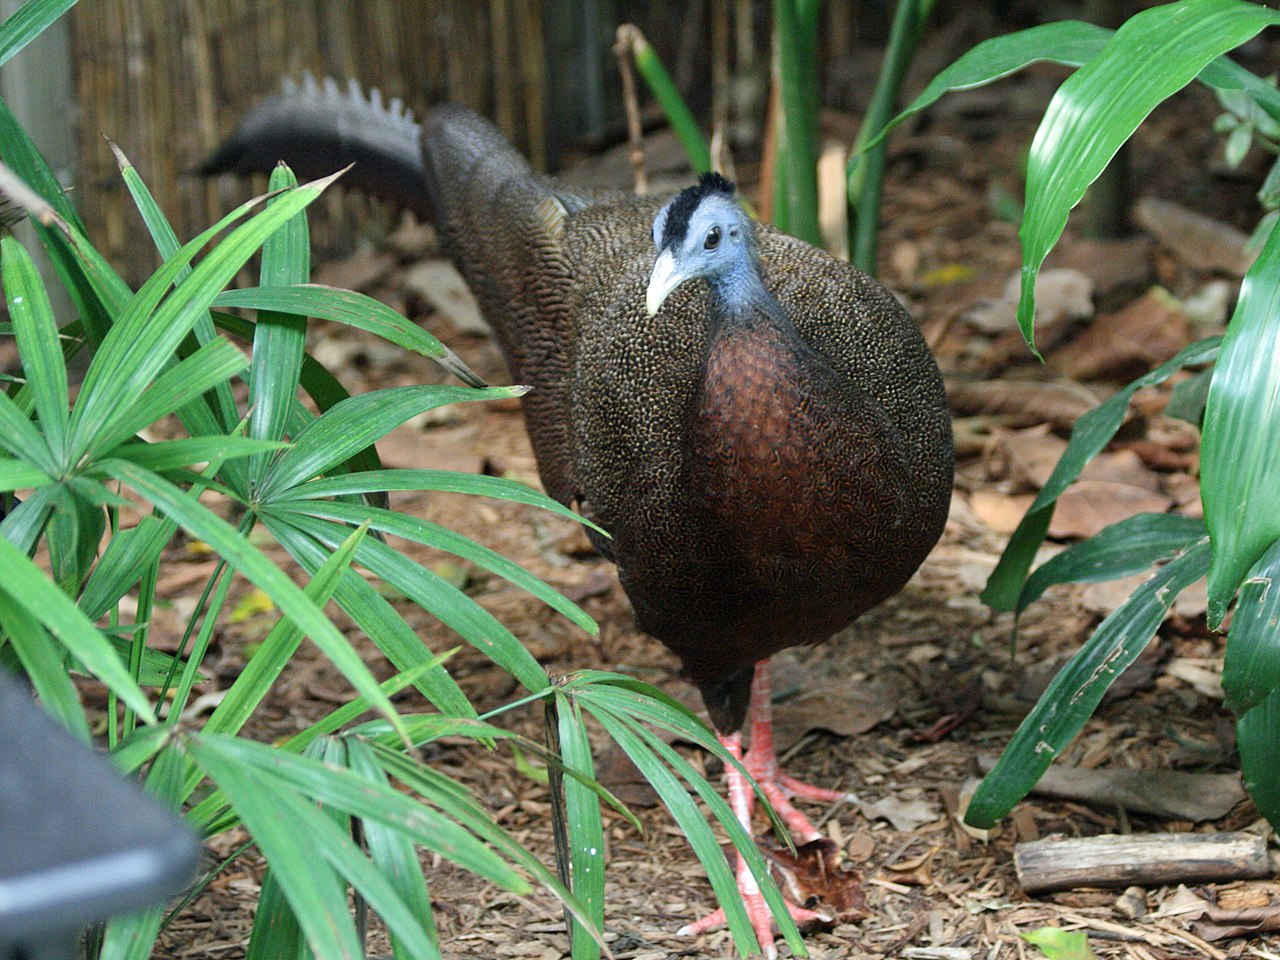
column 676, row 227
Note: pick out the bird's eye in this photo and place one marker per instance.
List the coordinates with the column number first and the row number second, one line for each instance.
column 713, row 238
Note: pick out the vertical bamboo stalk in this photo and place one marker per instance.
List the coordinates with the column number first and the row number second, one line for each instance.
column 795, row 35
column 866, row 168
column 504, row 96
column 533, row 79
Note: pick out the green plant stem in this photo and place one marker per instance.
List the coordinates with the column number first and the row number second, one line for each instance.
column 559, row 825
column 796, row 174
column 141, row 630
column 182, row 692
column 866, row 168
column 668, row 96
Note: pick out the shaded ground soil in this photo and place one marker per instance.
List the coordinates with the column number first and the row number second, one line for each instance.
column 865, row 711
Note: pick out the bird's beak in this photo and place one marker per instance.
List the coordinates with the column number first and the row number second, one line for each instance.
column 662, row 281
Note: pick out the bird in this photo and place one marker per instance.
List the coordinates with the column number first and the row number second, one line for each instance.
column 759, row 426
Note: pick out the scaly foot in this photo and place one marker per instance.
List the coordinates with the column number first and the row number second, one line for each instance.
column 818, row 859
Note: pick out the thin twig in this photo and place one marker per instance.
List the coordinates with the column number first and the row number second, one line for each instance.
column 623, row 49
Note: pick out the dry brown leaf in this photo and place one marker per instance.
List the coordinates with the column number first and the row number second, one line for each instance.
column 813, row 699
column 1128, row 343
column 1063, row 296
column 439, row 282
column 814, row 877
column 1057, row 402
column 860, row 847
column 1197, row 241
column 1227, row 924
column 1089, row 505
column 905, row 813
column 1121, row 466
column 360, row 271
column 1113, row 265
column 1000, row 512
column 1173, row 794
column 1025, row 457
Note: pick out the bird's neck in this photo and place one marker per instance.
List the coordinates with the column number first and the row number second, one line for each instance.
column 739, row 293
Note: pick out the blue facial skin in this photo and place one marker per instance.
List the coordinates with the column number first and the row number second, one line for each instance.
column 703, row 233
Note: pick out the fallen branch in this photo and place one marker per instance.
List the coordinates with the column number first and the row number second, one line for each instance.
column 1146, row 860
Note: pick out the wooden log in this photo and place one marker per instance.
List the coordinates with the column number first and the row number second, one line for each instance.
column 1152, row 859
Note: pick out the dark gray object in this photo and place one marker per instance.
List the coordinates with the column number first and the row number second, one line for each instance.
column 78, row 843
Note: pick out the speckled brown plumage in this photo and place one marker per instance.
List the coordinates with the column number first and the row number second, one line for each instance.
column 561, row 278
column 765, row 480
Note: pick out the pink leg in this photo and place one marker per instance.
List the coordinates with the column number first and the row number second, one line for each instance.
column 742, row 799
column 762, row 763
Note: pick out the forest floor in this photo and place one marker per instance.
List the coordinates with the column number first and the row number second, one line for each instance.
column 902, row 707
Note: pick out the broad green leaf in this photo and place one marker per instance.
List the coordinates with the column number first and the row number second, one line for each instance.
column 285, row 828
column 46, row 668
column 1092, row 432
column 1239, row 469
column 586, row 832
column 276, row 934
column 128, row 553
column 627, row 696
column 96, row 291
column 1151, row 56
column 455, row 800
column 343, row 790
column 277, row 649
column 210, row 816
column 21, row 155
column 23, row 439
column 1069, row 42
column 444, row 601
column 434, row 535
column 320, row 385
column 357, row 422
column 353, row 309
column 1078, row 688
column 138, row 748
column 36, row 333
column 1124, row 548
column 441, row 481
column 1252, row 668
column 28, row 587
column 372, row 887
column 380, row 622
column 148, row 331
column 1257, row 733
column 14, row 475
column 691, row 822
column 250, row 562
column 1188, row 398
column 427, row 728
column 24, row 523
column 279, row 338
column 172, row 454
column 197, row 418
column 394, row 857
column 181, row 385
column 739, row 836
column 154, row 666
column 28, row 22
